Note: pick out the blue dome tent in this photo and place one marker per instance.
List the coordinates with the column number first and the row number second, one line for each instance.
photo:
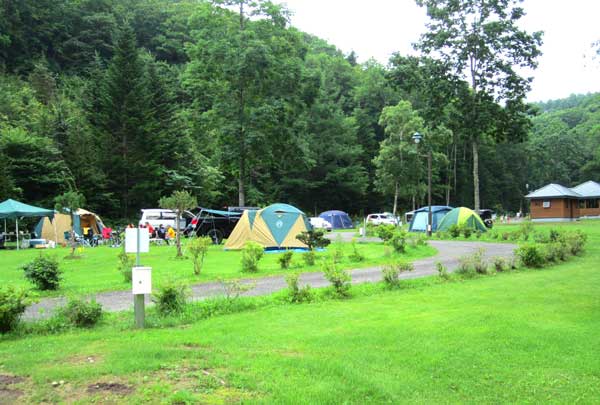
column 337, row 219
column 420, row 218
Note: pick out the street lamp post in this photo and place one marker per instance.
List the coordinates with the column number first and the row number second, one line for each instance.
column 417, row 137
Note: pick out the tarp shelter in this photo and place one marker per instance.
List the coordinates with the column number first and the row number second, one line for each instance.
column 55, row 229
column 463, row 217
column 419, row 221
column 11, row 209
column 274, row 227
column 337, row 219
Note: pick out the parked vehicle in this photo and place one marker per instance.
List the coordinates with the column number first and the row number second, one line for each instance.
column 215, row 224
column 381, row 219
column 320, row 223
column 487, row 216
column 158, row 216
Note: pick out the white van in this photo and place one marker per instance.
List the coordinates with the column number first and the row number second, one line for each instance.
column 157, row 217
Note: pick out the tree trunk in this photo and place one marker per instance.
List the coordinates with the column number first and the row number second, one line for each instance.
column 395, row 199
column 241, row 101
column 476, row 206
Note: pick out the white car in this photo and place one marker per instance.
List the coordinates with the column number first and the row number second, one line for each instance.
column 157, row 217
column 320, row 223
column 381, row 219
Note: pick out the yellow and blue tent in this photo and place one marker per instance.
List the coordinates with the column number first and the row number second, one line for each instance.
column 463, row 217
column 274, row 227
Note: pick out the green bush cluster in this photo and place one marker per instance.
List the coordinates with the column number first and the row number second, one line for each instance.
column 385, row 232
column 558, row 246
column 356, row 255
column 295, row 293
column 339, row 279
column 170, row 298
column 469, row 266
column 314, row 239
column 532, row 255
column 309, row 258
column 126, row 263
column 391, row 273
column 13, row 303
column 198, row 248
column 82, row 313
column 398, row 240
column 43, row 272
column 251, row 255
column 285, row 259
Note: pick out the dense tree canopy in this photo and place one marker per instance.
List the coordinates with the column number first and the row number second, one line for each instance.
column 125, row 101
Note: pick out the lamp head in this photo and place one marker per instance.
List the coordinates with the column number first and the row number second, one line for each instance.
column 417, row 137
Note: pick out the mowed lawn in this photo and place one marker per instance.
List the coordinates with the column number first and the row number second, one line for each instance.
column 96, row 270
column 526, row 336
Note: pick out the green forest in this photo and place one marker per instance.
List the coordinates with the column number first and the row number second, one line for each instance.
column 127, row 101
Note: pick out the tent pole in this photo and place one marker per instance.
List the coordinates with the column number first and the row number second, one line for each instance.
column 17, row 226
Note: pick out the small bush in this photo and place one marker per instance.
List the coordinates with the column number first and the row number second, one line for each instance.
column 314, row 239
column 531, row 255
column 82, row 313
column 554, row 235
column 526, row 229
column 575, row 242
column 465, row 267
column 285, row 259
column 295, row 293
column 391, row 273
column 339, row 279
column 126, row 263
column 499, row 264
column 309, row 258
column 356, row 256
column 417, row 240
column 505, row 235
column 478, row 234
column 251, row 255
column 234, row 288
column 479, row 263
column 13, row 303
column 43, row 272
column 385, row 232
column 467, row 232
column 198, row 248
column 442, row 271
column 170, row 298
column 398, row 240
column 454, row 231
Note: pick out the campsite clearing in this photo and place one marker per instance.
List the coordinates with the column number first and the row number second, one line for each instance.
column 525, row 336
column 96, row 270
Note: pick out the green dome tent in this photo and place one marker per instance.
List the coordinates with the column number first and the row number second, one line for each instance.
column 462, row 217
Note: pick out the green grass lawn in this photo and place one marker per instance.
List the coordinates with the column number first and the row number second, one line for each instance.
column 96, row 271
column 524, row 336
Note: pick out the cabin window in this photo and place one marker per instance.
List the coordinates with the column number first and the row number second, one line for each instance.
column 592, row 203
column 581, row 203
column 546, row 204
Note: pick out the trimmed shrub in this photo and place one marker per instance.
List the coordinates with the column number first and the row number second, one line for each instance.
column 295, row 293
column 531, row 255
column 554, row 235
column 499, row 264
column 442, row 271
column 285, row 259
column 309, row 258
column 356, row 256
column 526, row 229
column 505, row 235
column 454, row 231
column 313, row 239
column 198, row 248
column 467, row 232
column 126, row 263
column 82, row 313
column 251, row 255
column 391, row 273
column 465, row 267
column 479, row 264
column 339, row 279
column 170, row 298
column 575, row 242
column 385, row 232
column 43, row 272
column 398, row 241
column 417, row 240
column 13, row 303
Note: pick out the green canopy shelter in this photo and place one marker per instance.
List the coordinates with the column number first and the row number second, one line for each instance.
column 11, row 209
column 463, row 217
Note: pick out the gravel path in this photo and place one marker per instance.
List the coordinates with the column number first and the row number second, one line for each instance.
column 448, row 254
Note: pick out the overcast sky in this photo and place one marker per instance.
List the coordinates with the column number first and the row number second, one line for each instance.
column 378, row 28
